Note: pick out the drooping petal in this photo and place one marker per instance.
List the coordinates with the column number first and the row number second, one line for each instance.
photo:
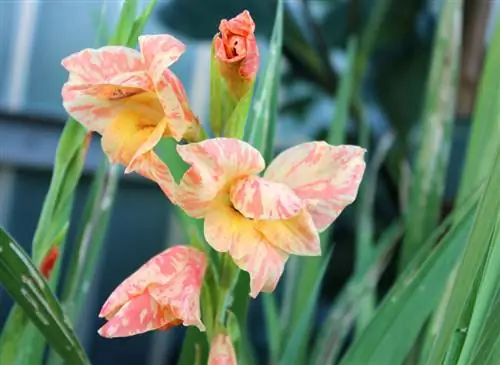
column 153, row 168
column 141, row 314
column 160, row 52
column 159, row 270
column 257, row 198
column 222, row 351
column 297, row 235
column 214, row 164
column 98, row 78
column 228, row 231
column 182, row 294
column 326, row 177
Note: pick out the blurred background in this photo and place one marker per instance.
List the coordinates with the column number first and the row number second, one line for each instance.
column 36, row 34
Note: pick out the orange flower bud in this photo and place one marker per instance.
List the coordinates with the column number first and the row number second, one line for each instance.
column 237, row 53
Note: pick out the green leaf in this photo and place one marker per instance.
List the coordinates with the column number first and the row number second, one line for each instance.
column 482, row 147
column 125, row 23
column 485, row 301
column 342, row 314
column 338, row 129
column 139, row 24
column 274, row 335
column 64, row 177
column 397, row 322
column 448, row 341
column 263, row 114
column 298, row 338
column 235, row 125
column 90, row 239
column 438, row 118
column 217, row 103
column 28, row 288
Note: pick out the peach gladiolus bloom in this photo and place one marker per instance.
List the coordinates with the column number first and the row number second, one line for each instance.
column 222, row 351
column 133, row 100
column 236, row 50
column 262, row 220
column 164, row 292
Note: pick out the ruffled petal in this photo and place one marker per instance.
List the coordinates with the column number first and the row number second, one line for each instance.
column 182, row 294
column 226, row 230
column 160, row 52
column 222, row 351
column 297, row 235
column 98, row 79
column 215, row 163
column 159, row 270
column 326, row 177
column 257, row 198
column 141, row 314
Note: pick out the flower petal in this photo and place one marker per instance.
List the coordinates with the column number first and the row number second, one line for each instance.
column 257, row 198
column 227, row 230
column 214, row 164
column 159, row 270
column 297, row 235
column 160, row 52
column 222, row 351
column 141, row 314
column 152, row 167
column 182, row 294
column 326, row 177
column 132, row 133
column 98, row 78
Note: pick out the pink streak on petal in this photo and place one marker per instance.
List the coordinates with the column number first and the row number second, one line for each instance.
column 222, row 351
column 160, row 49
column 297, row 235
column 97, row 66
column 98, row 80
column 159, row 270
column 326, row 177
column 215, row 163
column 139, row 315
column 182, row 294
column 263, row 262
column 160, row 52
column 257, row 198
column 228, row 231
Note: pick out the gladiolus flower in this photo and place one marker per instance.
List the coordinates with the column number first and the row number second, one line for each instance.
column 133, row 100
column 164, row 292
column 49, row 261
column 222, row 351
column 237, row 53
column 260, row 221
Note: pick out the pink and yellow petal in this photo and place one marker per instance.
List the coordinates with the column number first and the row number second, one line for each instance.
column 99, row 66
column 222, row 351
column 297, row 235
column 326, row 177
column 153, row 168
column 159, row 270
column 160, row 52
column 228, row 231
column 260, row 199
column 182, row 293
column 141, row 314
column 215, row 163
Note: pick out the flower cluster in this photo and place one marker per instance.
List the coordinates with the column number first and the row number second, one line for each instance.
column 257, row 215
